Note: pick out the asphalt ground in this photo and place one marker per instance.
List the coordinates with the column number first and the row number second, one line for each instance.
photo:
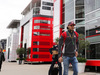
column 12, row 68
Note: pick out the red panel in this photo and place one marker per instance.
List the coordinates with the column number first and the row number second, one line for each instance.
column 43, row 56
column 40, row 46
column 45, row 27
column 40, row 38
column 45, row 42
column 42, row 18
column 21, row 41
column 41, row 60
column 93, row 63
column 61, row 11
column 43, row 49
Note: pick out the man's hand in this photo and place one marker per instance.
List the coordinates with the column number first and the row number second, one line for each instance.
column 60, row 59
column 76, row 53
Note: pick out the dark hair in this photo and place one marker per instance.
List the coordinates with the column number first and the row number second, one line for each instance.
column 67, row 28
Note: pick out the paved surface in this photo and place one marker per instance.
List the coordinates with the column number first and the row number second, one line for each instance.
column 12, row 68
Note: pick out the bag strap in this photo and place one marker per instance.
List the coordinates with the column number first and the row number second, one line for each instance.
column 76, row 35
column 64, row 34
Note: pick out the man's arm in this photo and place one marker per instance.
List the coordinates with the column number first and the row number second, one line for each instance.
column 3, row 57
column 77, row 45
column 59, row 46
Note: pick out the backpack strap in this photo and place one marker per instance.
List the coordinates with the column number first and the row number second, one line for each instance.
column 76, row 35
column 64, row 34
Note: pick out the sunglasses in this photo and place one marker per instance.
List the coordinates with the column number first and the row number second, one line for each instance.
column 72, row 25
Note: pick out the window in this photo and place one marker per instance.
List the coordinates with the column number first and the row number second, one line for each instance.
column 46, row 8
column 80, row 22
column 69, row 10
column 93, row 15
column 48, row 3
column 36, row 10
column 36, row 33
column 93, row 32
column 44, row 34
column 37, row 4
column 80, row 12
column 35, row 43
column 42, row 27
column 97, row 4
column 92, row 24
column 79, row 2
column 36, row 21
column 36, row 27
column 35, row 56
column 93, row 52
column 41, row 34
column 45, row 21
column 42, row 21
column 81, row 30
column 63, row 18
column 89, row 5
column 35, row 49
column 64, row 2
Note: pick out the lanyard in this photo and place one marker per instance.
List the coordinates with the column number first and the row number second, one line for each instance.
column 71, row 37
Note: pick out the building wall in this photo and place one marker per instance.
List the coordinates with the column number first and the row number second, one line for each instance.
column 66, row 11
column 92, row 13
column 69, row 11
column 35, row 33
column 26, row 17
column 46, row 9
column 27, row 31
column 56, row 21
column 42, row 39
column 12, row 45
column 26, row 21
column 92, row 22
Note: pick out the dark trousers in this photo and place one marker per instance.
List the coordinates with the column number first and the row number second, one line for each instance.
column 20, row 61
column 0, row 65
column 52, row 65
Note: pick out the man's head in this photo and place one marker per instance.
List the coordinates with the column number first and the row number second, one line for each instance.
column 0, row 49
column 71, row 25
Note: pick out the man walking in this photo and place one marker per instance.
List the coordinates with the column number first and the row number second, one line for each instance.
column 2, row 58
column 70, row 41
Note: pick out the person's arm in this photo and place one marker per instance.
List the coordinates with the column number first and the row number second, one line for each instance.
column 77, row 45
column 50, row 50
column 60, row 46
column 3, row 57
